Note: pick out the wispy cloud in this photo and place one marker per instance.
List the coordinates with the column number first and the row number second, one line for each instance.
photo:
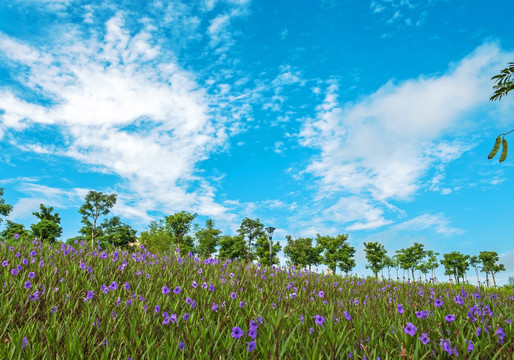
column 436, row 222
column 381, row 147
column 123, row 106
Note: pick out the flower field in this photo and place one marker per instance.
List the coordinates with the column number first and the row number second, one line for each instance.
column 64, row 302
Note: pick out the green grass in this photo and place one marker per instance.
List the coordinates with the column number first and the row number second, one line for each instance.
column 107, row 327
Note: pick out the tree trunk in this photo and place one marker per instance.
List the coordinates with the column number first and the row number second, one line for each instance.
column 494, row 280
column 487, row 278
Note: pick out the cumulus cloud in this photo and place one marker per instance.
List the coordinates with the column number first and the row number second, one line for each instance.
column 436, row 222
column 381, row 147
column 124, row 107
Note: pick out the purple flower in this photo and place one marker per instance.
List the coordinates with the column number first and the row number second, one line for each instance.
column 259, row 320
column 251, row 346
column 319, row 320
column 399, row 308
column 214, row 307
column 241, row 304
column 424, row 338
column 410, row 329
column 17, row 236
column 458, row 300
column 449, row 318
column 212, row 288
column 24, row 341
column 31, row 275
column 195, row 284
column 14, row 272
column 233, row 295
column 177, row 290
column 321, row 293
column 237, row 332
column 446, row 346
column 27, row 285
column 252, row 333
column 311, row 330
column 5, row 263
column 500, row 333
column 165, row 290
column 126, row 286
column 347, row 316
column 302, row 319
column 470, row 346
column 186, row 316
column 438, row 303
column 180, row 345
column 90, row 294
column 113, row 286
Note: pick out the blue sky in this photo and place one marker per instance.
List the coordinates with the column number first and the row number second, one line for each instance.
column 370, row 118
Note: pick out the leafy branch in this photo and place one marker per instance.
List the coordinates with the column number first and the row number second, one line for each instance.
column 504, row 82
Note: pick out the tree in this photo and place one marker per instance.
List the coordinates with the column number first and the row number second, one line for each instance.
column 156, row 239
column 334, row 248
column 504, row 83
column 474, row 261
column 178, row 225
column 411, row 257
column 375, row 255
column 251, row 229
column 116, row 233
column 48, row 228
column 490, row 264
column 262, row 250
column 95, row 205
column 301, row 252
column 388, row 263
column 208, row 238
column 14, row 232
column 456, row 264
column 232, row 247
column 432, row 262
column 5, row 209
column 347, row 261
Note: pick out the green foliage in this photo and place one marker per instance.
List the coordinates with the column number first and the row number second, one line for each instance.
column 48, row 228
column 251, row 229
column 301, row 253
column 10, row 231
column 232, row 247
column 262, row 250
column 208, row 239
column 96, row 204
column 376, row 256
column 5, row 209
column 489, row 260
column 504, row 82
column 411, row 257
column 336, row 251
column 157, row 239
column 178, row 225
column 455, row 263
column 116, row 233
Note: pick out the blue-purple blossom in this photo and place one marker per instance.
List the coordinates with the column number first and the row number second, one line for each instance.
column 31, row 275
column 438, row 302
column 470, row 346
column 181, row 345
column 424, row 338
column 251, row 346
column 24, row 341
column 237, row 332
column 27, row 285
column 177, row 290
column 165, row 290
column 449, row 318
column 233, row 295
column 319, row 320
column 252, row 333
column 399, row 308
column 410, row 329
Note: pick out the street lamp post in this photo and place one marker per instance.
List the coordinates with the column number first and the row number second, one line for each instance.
column 270, row 230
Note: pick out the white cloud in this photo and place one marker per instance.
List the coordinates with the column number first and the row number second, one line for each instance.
column 437, row 223
column 381, row 147
column 124, row 107
column 384, row 144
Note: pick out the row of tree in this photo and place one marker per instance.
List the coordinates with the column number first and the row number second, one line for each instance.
column 250, row 243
